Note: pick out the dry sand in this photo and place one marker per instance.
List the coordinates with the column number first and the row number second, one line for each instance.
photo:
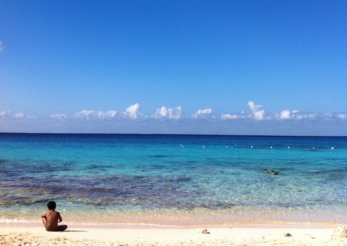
column 20, row 234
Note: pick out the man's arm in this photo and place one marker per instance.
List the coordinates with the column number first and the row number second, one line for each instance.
column 44, row 219
column 60, row 219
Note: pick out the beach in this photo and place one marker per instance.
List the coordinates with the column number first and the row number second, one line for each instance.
column 21, row 234
column 162, row 123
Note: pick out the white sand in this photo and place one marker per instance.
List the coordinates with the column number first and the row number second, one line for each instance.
column 20, row 234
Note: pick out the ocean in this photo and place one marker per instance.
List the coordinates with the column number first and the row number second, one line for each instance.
column 174, row 179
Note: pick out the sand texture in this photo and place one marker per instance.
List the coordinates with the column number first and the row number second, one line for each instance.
column 21, row 235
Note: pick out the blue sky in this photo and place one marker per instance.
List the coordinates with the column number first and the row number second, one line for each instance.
column 226, row 67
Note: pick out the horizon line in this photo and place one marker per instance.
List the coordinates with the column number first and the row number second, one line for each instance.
column 176, row 134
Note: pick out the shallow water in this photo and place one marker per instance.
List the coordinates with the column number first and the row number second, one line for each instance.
column 156, row 174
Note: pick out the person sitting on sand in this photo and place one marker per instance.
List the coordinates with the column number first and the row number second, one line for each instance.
column 51, row 218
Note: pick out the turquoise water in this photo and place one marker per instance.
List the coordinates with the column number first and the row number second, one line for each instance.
column 150, row 173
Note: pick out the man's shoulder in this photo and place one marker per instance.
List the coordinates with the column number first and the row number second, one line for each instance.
column 57, row 213
column 52, row 213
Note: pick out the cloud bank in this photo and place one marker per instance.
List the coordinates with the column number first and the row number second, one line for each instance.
column 256, row 113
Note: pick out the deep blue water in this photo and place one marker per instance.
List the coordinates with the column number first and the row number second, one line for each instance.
column 181, row 172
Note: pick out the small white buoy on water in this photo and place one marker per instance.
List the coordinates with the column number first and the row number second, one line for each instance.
column 289, row 147
column 332, row 147
column 270, row 147
column 251, row 146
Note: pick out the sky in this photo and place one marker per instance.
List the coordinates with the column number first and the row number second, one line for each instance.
column 192, row 67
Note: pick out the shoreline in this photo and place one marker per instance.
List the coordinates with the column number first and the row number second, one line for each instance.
column 178, row 220
column 188, row 218
column 264, row 224
column 140, row 225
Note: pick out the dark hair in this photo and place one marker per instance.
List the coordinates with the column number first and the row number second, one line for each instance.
column 51, row 205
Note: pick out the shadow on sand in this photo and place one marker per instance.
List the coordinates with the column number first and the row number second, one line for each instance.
column 74, row 230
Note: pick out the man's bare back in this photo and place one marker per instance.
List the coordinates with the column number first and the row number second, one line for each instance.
column 51, row 218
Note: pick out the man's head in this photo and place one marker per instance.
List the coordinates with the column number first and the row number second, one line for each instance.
column 51, row 205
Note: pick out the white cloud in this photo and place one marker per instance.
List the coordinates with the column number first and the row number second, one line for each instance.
column 232, row 116
column 132, row 111
column 92, row 114
column 87, row 114
column 202, row 113
column 19, row 116
column 342, row 116
column 58, row 116
column 284, row 115
column 170, row 113
column 294, row 115
column 4, row 114
column 287, row 114
column 1, row 46
column 257, row 112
